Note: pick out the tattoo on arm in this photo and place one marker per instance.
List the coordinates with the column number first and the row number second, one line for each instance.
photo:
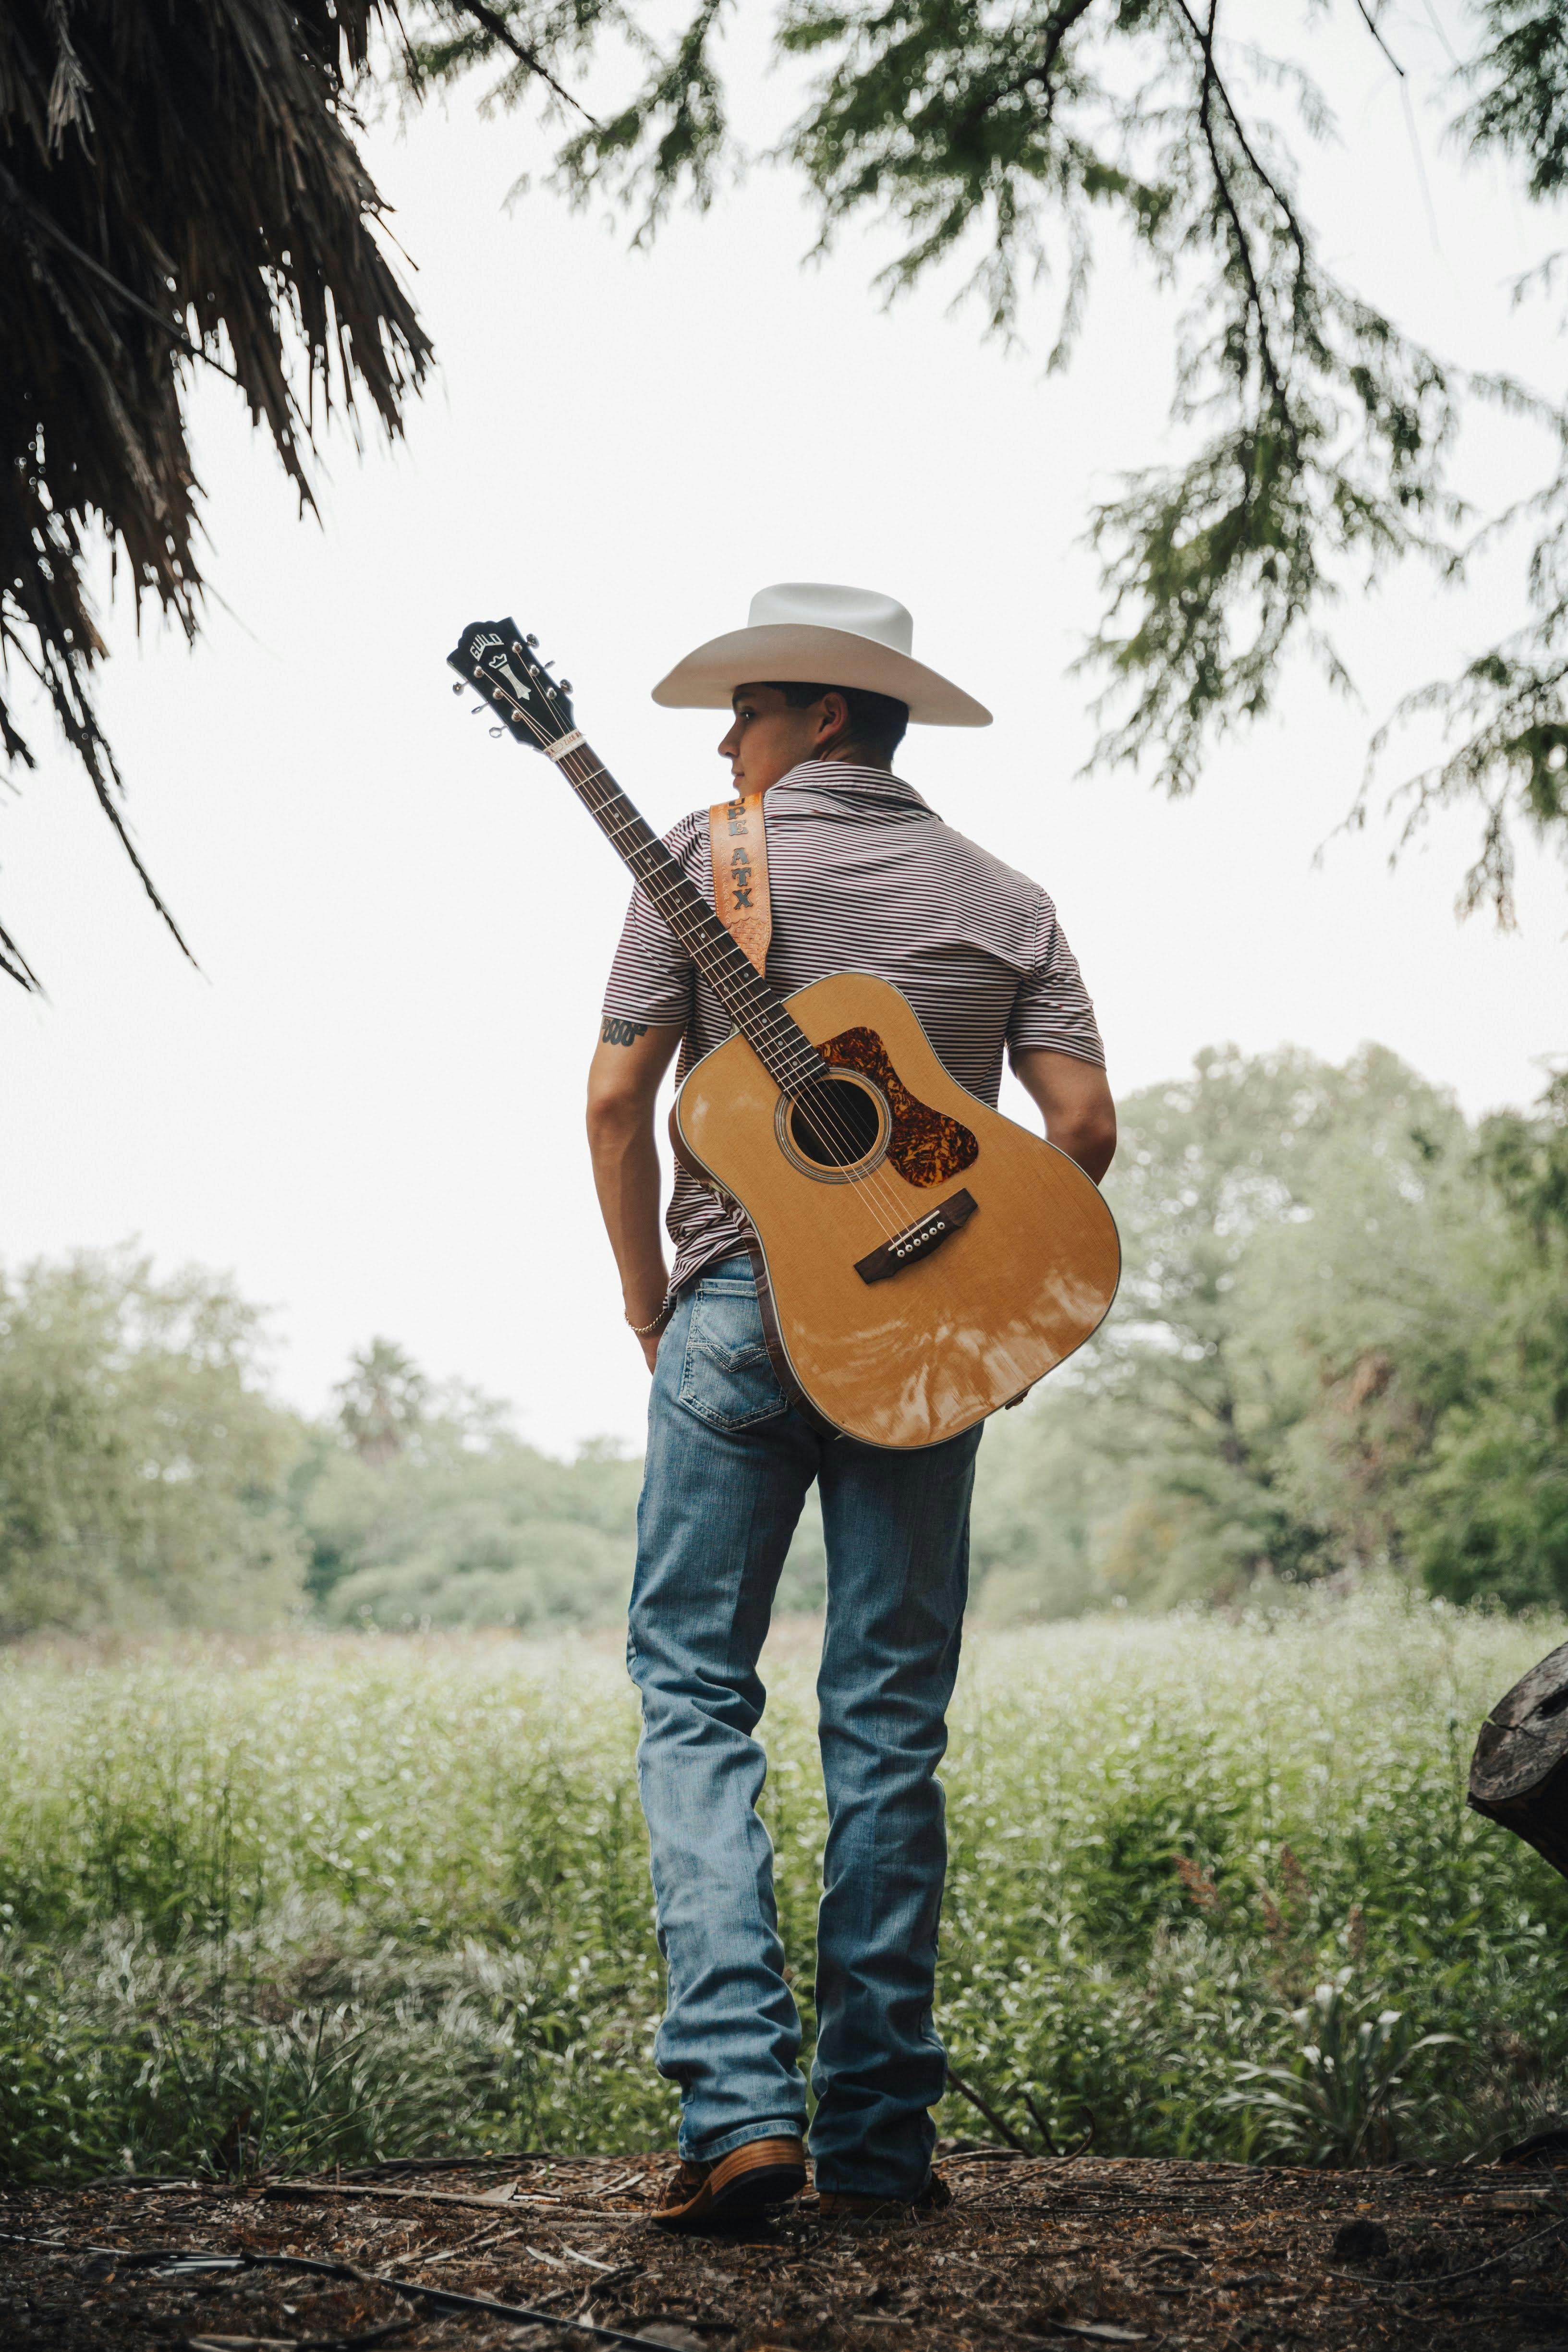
column 622, row 1032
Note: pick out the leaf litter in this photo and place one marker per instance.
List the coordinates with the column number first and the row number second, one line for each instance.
column 1092, row 2249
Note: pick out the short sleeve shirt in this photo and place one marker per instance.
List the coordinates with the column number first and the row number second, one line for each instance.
column 864, row 877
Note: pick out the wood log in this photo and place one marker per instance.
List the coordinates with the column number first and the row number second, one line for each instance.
column 1519, row 1773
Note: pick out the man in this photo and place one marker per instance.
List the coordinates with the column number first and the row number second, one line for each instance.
column 864, row 877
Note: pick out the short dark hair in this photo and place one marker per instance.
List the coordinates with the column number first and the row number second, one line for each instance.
column 877, row 720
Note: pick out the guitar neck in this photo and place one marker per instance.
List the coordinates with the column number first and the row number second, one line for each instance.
column 536, row 709
column 753, row 1003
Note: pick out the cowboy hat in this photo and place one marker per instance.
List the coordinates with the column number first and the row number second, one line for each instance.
column 804, row 631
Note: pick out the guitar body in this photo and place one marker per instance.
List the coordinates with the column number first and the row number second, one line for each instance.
column 924, row 1259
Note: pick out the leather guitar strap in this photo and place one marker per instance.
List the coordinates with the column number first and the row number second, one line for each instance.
column 738, row 837
column 738, row 834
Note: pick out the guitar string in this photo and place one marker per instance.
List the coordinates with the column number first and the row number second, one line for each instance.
column 685, row 922
column 742, row 972
column 887, row 1209
column 872, row 1186
column 769, row 1008
column 599, row 791
column 787, row 1070
column 890, row 1203
column 760, row 1000
column 875, row 1191
column 943, row 1278
column 760, row 1003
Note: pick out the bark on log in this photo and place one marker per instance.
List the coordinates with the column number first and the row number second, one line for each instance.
column 1519, row 1773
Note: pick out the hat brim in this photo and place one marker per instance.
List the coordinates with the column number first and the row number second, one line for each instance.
column 797, row 652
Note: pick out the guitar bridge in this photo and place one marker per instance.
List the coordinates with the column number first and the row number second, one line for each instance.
column 918, row 1239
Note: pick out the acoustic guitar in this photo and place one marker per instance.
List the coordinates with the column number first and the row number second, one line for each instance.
column 921, row 1260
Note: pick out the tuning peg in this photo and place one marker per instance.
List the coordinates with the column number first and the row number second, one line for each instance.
column 458, row 688
column 532, row 640
column 565, row 686
column 497, row 730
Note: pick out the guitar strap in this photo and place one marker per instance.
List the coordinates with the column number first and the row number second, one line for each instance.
column 738, row 839
column 738, row 836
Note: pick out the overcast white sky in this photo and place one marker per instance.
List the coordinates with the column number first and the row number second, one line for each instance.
column 367, row 1105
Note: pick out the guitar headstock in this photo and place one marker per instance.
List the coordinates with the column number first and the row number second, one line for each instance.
column 504, row 666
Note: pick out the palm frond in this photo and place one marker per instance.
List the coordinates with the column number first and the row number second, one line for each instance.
column 179, row 184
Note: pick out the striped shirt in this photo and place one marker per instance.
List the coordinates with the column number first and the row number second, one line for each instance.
column 864, row 877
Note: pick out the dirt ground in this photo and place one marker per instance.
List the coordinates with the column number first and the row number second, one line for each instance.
column 1088, row 2250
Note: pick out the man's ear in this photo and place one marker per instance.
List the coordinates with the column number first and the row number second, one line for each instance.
column 833, row 722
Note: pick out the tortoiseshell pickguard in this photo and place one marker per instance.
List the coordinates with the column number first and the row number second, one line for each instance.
column 926, row 1146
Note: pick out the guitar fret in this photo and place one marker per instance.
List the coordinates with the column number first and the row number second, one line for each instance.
column 756, row 1010
column 658, row 882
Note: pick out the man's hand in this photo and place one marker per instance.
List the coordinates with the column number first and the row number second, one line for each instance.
column 648, row 1341
column 1075, row 1096
column 623, row 1086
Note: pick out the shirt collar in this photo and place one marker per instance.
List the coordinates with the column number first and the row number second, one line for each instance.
column 842, row 783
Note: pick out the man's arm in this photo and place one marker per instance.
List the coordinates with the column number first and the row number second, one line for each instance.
column 1075, row 1096
column 623, row 1084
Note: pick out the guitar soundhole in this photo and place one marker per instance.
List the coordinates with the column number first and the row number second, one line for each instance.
column 835, row 1129
column 834, row 1124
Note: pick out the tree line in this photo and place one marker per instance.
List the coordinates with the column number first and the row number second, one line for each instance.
column 1340, row 1347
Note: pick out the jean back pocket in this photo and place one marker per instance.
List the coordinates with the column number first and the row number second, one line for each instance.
column 727, row 1376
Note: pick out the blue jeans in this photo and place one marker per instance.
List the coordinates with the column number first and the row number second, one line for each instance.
column 729, row 1463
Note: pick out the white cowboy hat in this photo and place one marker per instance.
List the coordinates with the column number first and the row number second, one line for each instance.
column 808, row 632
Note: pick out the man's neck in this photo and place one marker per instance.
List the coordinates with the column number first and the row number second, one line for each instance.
column 846, row 755
column 856, row 755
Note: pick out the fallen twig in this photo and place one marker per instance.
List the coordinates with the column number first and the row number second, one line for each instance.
column 360, row 2343
column 475, row 2245
column 190, row 2260
column 965, row 2091
column 288, row 2191
column 445, row 2299
column 422, row 2256
column 153, row 2180
column 391, row 2166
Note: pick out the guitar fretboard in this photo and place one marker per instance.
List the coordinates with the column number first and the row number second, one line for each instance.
column 753, row 1003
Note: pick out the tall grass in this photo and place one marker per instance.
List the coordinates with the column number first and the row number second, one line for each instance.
column 373, row 1896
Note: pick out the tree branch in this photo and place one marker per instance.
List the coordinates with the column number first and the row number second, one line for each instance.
column 496, row 25
column 1058, row 24
column 1242, row 243
column 1370, row 21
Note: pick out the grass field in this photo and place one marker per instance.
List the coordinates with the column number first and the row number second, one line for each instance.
column 391, row 1894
